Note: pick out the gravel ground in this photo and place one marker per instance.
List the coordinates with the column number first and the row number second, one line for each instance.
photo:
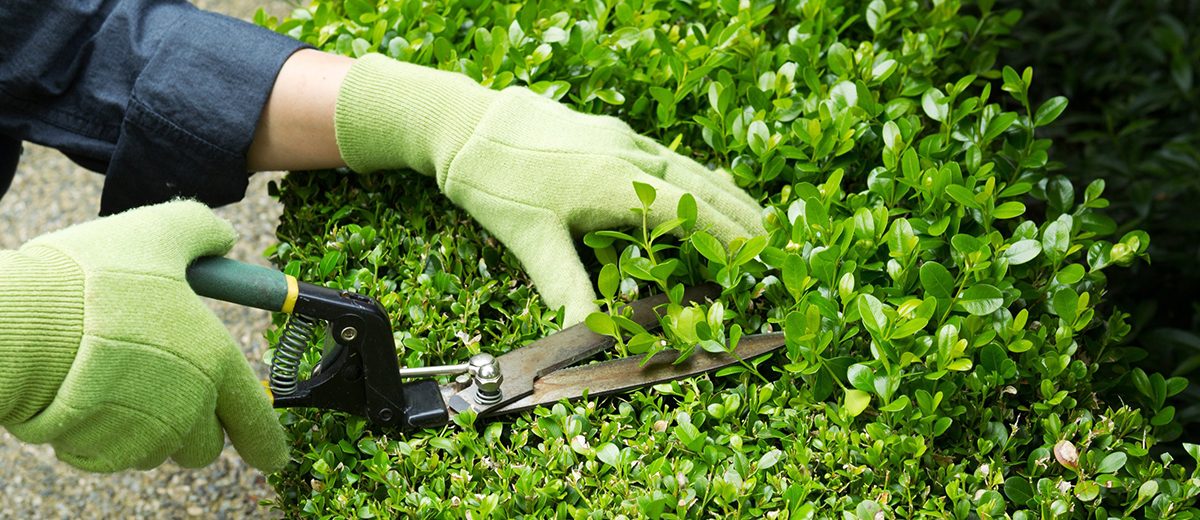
column 49, row 193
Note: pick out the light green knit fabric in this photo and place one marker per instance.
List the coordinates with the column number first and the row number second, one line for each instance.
column 532, row 171
column 108, row 355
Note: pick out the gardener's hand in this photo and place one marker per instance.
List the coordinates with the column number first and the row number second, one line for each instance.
column 108, row 355
column 532, row 171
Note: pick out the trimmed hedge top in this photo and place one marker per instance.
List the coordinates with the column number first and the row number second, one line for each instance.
column 949, row 351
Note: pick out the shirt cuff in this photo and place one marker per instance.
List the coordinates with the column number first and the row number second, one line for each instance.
column 193, row 112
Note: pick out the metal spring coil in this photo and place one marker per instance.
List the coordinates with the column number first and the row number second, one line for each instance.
column 293, row 342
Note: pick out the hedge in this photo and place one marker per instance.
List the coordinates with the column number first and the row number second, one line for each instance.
column 950, row 351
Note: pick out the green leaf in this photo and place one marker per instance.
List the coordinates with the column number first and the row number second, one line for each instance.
column 645, row 193
column 749, row 250
column 1065, row 304
column 981, row 299
column 1112, row 462
column 900, row 404
column 1018, row 490
column 999, row 124
column 934, row 105
column 1050, row 110
column 686, row 210
column 1087, row 490
column 601, row 323
column 611, row 96
column 840, row 59
column 608, row 281
column 861, row 377
column 856, row 402
column 936, row 280
column 871, row 311
column 1022, row 251
column 1056, row 239
column 710, row 247
column 963, row 195
column 795, row 270
column 1009, row 210
column 609, row 453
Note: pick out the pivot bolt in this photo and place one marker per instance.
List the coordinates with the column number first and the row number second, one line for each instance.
column 486, row 373
column 349, row 333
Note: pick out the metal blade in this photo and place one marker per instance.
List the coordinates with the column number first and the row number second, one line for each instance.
column 562, row 349
column 625, row 374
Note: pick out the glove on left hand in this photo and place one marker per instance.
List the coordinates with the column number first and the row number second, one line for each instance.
column 108, row 355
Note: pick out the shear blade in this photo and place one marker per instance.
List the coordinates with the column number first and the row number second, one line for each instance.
column 618, row 375
column 524, row 366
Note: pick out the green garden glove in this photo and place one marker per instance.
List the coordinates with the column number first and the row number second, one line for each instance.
column 532, row 171
column 108, row 355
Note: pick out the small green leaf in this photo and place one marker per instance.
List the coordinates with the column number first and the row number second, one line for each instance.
column 749, row 250
column 686, row 210
column 601, row 323
column 871, row 310
column 981, row 299
column 1112, row 462
column 611, row 96
column 770, row 458
column 609, row 453
column 962, row 195
column 645, row 193
column 861, row 377
column 1022, row 251
column 1066, row 304
column 1050, row 110
column 1008, row 210
column 840, row 59
column 936, row 280
column 608, row 281
column 856, row 402
column 933, row 102
column 1087, row 490
column 710, row 247
column 1018, row 490
column 1056, row 240
column 795, row 270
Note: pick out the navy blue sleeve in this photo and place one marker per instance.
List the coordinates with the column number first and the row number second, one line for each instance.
column 161, row 97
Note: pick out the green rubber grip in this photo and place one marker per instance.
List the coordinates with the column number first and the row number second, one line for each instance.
column 241, row 283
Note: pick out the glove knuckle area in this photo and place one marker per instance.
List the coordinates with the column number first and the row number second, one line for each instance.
column 119, row 404
column 114, row 436
column 557, row 127
column 159, row 313
column 554, row 181
column 171, row 233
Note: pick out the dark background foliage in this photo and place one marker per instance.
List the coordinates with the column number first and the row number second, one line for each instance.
column 1130, row 70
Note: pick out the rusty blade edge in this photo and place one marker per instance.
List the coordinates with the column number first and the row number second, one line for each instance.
column 618, row 375
column 523, row 366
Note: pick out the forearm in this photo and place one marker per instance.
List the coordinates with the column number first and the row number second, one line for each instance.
column 295, row 130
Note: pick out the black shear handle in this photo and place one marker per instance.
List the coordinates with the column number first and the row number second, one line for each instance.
column 360, row 373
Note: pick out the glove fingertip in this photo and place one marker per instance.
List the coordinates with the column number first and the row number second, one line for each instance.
column 268, row 453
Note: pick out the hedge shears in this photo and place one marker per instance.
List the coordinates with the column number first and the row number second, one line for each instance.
column 359, row 371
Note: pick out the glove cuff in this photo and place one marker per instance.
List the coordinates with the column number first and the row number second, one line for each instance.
column 41, row 326
column 391, row 114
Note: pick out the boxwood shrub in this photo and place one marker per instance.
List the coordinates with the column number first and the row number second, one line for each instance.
column 950, row 351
